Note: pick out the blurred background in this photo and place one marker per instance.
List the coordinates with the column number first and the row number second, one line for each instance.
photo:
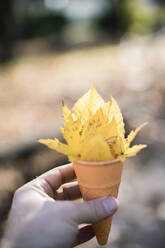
column 53, row 50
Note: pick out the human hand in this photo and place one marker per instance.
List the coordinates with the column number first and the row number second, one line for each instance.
column 43, row 217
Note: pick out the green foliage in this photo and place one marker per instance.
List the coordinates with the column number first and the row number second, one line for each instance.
column 127, row 16
column 143, row 19
column 160, row 18
column 40, row 25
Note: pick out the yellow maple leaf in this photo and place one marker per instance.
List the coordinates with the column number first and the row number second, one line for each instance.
column 108, row 130
column 67, row 115
column 94, row 131
column 71, row 130
column 88, row 104
column 56, row 145
column 132, row 135
column 116, row 113
column 133, row 150
column 96, row 149
column 106, row 107
column 118, row 147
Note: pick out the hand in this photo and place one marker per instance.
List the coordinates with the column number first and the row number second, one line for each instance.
column 43, row 217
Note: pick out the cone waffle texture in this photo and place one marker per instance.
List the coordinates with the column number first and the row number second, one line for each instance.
column 99, row 179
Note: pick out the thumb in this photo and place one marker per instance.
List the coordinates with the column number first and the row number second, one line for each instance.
column 95, row 210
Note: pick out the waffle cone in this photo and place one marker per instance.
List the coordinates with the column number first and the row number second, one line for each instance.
column 99, row 179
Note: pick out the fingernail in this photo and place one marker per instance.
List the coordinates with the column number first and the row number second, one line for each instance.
column 110, row 204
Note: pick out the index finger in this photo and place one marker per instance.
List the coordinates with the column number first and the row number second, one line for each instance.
column 59, row 175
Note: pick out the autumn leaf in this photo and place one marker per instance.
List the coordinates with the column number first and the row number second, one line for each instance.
column 132, row 135
column 134, row 150
column 96, row 149
column 88, row 104
column 56, row 145
column 94, row 131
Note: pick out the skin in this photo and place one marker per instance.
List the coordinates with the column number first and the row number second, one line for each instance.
column 41, row 216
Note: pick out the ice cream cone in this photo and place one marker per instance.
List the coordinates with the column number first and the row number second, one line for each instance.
column 99, row 179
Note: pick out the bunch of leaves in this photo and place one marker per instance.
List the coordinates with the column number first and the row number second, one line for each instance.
column 94, row 131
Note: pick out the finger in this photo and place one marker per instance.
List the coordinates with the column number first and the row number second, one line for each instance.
column 60, row 175
column 50, row 181
column 85, row 233
column 53, row 179
column 69, row 191
column 94, row 210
